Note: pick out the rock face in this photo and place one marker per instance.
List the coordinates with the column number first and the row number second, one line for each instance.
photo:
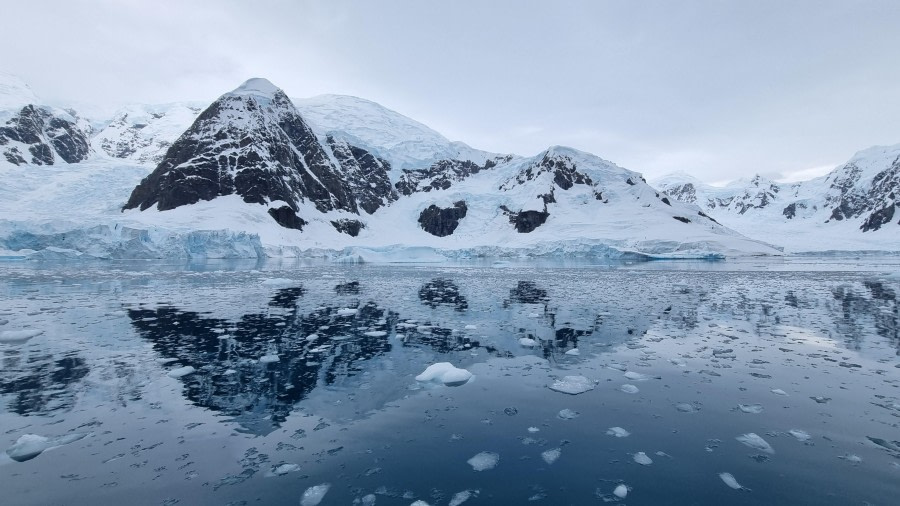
column 442, row 222
column 43, row 136
column 253, row 143
column 526, row 221
column 442, row 174
column 349, row 227
column 143, row 133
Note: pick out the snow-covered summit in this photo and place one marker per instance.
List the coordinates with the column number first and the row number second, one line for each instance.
column 14, row 94
column 258, row 87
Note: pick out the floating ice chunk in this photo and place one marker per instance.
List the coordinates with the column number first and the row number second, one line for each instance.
column 527, row 342
column 730, row 481
column 751, row 408
column 312, row 337
column 268, row 359
column 849, row 457
column 800, row 435
column 636, row 376
column 229, row 372
column 629, row 389
column 283, row 469
column 181, row 371
column 29, row 446
column 778, row 391
column 461, row 497
column 18, row 336
column 533, row 315
column 551, row 456
column 484, row 461
column 757, row 443
column 278, row 281
column 618, row 432
column 621, row 491
column 568, row 414
column 642, row 459
column 572, row 385
column 369, row 500
column 445, row 373
column 347, row 311
column 420, row 503
column 573, row 352
column 685, row 407
column 375, row 333
column 314, row 495
column 533, row 429
column 471, row 327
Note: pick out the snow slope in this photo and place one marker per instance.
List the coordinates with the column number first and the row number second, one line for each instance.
column 849, row 209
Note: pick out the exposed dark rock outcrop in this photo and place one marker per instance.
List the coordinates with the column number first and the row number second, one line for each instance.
column 365, row 174
column 442, row 174
column 46, row 135
column 349, row 227
column 878, row 218
column 442, row 222
column 287, row 218
column 682, row 219
column 526, row 221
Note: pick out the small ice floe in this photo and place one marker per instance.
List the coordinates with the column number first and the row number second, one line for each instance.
column 778, row 391
column 369, row 500
column 420, row 503
column 533, row 429
column 568, row 414
column 572, row 385
column 229, row 372
column 283, row 469
column 277, row 282
column 347, row 311
column 375, row 333
column 617, row 432
column 629, row 389
column 312, row 337
column 751, row 408
column 729, row 480
column 757, row 443
column 314, row 495
column 181, row 371
column 527, row 342
column 29, row 446
column 800, row 435
column 461, row 497
column 636, row 376
column 685, row 407
column 533, row 315
column 618, row 367
column 471, row 327
column 678, row 362
column 821, row 400
column 621, row 491
column 18, row 336
column 446, row 373
column 484, row 461
column 851, row 458
column 268, row 359
column 642, row 459
column 551, row 456
column 573, row 352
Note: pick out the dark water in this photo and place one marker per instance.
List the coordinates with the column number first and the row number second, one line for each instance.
column 703, row 345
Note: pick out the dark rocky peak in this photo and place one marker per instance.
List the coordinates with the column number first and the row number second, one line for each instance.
column 683, row 192
column 875, row 201
column 561, row 169
column 442, row 174
column 365, row 174
column 251, row 142
column 43, row 136
column 526, row 221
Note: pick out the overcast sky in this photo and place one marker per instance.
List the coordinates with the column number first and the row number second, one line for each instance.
column 718, row 89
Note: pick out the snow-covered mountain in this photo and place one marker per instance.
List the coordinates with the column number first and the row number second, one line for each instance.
column 32, row 132
column 256, row 173
column 850, row 209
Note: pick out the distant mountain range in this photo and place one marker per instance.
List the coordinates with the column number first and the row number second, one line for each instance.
column 256, row 173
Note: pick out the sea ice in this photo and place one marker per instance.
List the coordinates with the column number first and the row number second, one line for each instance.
column 29, row 446
column 471, row 327
column 757, row 443
column 642, row 459
column 621, row 491
column 778, row 391
column 799, row 434
column 751, row 408
column 853, row 459
column 420, row 503
column 573, row 352
column 572, row 385
column 550, row 456
column 568, row 414
column 445, row 373
column 268, row 359
column 618, row 432
column 533, row 429
column 484, row 461
column 461, row 497
column 181, row 371
column 314, row 495
column 347, row 311
column 629, row 389
column 527, row 342
column 283, row 469
column 636, row 376
column 18, row 336
column 278, row 281
column 730, row 481
column 375, row 333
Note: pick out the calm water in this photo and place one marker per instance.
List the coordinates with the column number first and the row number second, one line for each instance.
column 684, row 358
